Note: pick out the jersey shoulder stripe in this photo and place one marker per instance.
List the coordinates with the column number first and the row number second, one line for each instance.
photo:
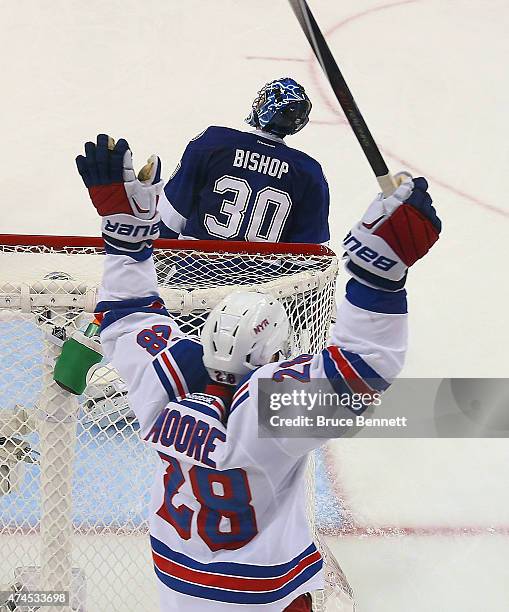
column 240, row 396
column 166, row 380
column 170, row 375
column 333, row 374
column 233, row 582
column 180, row 368
column 345, row 370
column 366, row 371
column 242, row 392
column 340, row 370
column 214, row 136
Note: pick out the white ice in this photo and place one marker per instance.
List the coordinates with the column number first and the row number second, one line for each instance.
column 431, row 79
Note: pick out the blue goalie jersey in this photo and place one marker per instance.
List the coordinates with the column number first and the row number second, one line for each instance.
column 234, row 185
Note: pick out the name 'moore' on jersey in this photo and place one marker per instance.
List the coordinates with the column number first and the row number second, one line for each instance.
column 234, row 185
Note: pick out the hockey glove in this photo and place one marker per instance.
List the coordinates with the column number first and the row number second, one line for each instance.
column 394, row 233
column 128, row 205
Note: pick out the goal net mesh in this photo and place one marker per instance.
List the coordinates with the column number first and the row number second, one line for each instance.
column 74, row 475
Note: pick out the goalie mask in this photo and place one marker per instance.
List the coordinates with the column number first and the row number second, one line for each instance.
column 243, row 332
column 280, row 108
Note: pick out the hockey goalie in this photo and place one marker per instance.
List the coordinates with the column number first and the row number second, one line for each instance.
column 228, row 525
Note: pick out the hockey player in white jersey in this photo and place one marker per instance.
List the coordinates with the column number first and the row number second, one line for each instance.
column 228, row 526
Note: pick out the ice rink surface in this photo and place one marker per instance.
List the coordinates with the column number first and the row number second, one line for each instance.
column 425, row 522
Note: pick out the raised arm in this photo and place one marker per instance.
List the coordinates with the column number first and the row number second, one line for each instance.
column 369, row 340
column 138, row 336
column 371, row 331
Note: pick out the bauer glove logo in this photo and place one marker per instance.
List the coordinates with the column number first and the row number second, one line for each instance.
column 353, row 245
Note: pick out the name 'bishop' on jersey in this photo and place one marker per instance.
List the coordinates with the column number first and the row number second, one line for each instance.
column 234, row 185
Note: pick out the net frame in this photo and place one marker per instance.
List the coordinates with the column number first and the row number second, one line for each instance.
column 53, row 418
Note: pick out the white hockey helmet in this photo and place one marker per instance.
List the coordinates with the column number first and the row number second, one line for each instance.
column 244, row 331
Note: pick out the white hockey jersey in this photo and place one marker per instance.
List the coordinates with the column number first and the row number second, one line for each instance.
column 228, row 522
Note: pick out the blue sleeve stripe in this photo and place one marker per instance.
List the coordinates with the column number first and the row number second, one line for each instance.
column 376, row 300
column 374, row 380
column 172, row 369
column 137, row 255
column 115, row 315
column 165, row 381
column 132, row 303
column 230, row 568
column 125, row 246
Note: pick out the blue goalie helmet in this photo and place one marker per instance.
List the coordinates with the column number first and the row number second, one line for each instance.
column 280, row 108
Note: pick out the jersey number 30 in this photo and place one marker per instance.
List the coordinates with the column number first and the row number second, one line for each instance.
column 226, row 519
column 268, row 216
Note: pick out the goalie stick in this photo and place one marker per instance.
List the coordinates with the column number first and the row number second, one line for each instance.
column 343, row 94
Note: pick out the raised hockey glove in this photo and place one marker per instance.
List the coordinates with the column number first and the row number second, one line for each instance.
column 127, row 204
column 394, row 233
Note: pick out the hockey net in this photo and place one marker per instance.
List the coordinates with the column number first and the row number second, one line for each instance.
column 74, row 475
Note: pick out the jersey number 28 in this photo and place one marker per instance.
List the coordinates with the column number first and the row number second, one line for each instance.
column 268, row 216
column 226, row 519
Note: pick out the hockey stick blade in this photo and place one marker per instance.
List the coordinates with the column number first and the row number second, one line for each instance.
column 343, row 94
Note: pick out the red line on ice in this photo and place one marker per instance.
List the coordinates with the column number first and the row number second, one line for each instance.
column 433, row 531
column 349, row 526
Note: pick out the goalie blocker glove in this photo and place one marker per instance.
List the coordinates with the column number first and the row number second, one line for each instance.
column 127, row 204
column 393, row 234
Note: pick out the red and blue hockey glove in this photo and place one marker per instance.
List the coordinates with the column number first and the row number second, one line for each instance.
column 393, row 234
column 127, row 204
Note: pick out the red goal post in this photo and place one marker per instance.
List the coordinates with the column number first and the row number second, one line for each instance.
column 239, row 246
column 74, row 476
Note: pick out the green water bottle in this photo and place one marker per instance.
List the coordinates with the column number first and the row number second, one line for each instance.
column 80, row 353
